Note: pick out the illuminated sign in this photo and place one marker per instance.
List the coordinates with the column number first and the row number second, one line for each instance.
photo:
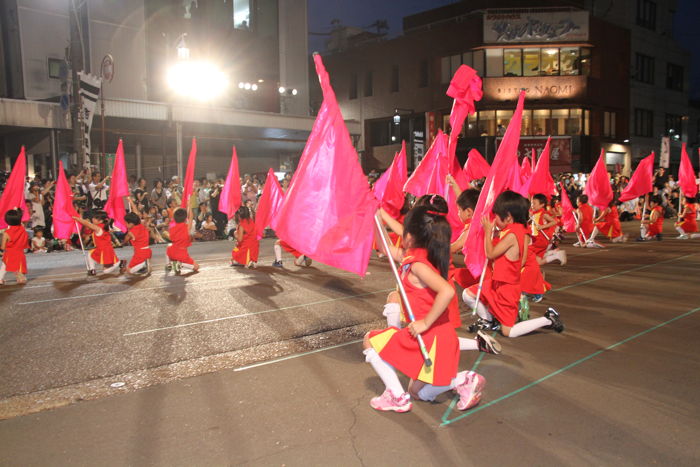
column 535, row 27
column 537, row 87
column 560, row 150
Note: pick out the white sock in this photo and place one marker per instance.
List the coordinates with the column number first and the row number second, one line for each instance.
column 593, row 234
column 137, row 268
column 643, row 230
column 111, row 269
column 468, row 344
column 430, row 392
column 278, row 252
column 526, row 327
column 300, row 260
column 392, row 311
column 91, row 262
column 695, row 235
column 550, row 256
column 189, row 267
column 480, row 309
column 680, row 230
column 385, row 371
column 3, row 270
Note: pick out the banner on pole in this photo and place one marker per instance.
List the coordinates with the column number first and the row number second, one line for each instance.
column 665, row 159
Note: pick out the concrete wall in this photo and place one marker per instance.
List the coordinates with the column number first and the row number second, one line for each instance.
column 293, row 50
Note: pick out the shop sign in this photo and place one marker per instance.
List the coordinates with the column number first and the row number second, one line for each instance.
column 506, row 28
column 559, row 148
column 538, row 87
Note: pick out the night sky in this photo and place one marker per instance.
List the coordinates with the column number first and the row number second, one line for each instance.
column 363, row 13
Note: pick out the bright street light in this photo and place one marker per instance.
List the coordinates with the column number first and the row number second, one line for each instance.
column 202, row 81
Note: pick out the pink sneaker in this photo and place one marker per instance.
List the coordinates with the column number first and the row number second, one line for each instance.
column 387, row 401
column 470, row 390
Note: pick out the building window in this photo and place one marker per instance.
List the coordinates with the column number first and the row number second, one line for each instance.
column 643, row 122
column 57, row 68
column 241, row 14
column 531, row 62
column 609, row 122
column 424, row 74
column 478, row 60
column 644, row 68
column 570, row 61
column 512, row 62
column 394, row 86
column 674, row 125
column 646, row 14
column 380, row 132
column 587, row 122
column 494, row 62
column 557, row 124
column 550, row 62
column 539, row 122
column 353, row 86
column 674, row 77
column 369, row 91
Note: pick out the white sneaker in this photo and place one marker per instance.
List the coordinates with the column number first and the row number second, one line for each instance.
column 561, row 256
column 683, row 237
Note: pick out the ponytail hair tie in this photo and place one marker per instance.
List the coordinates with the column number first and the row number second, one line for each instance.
column 435, row 213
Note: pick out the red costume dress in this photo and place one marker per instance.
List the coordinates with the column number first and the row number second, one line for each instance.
column 181, row 240
column 14, row 258
column 611, row 227
column 689, row 224
column 462, row 276
column 400, row 349
column 501, row 289
column 586, row 220
column 656, row 227
column 142, row 251
column 531, row 278
column 247, row 249
column 286, row 247
column 103, row 252
column 540, row 238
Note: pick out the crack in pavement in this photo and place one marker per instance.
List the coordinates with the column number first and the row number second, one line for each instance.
column 352, row 426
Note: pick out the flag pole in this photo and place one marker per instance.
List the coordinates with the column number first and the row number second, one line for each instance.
column 644, row 211
column 402, row 291
column 82, row 247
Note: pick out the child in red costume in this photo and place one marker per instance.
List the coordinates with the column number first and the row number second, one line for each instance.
column 138, row 236
column 300, row 259
column 103, row 253
column 608, row 223
column 14, row 242
column 652, row 228
column 246, row 251
column 507, row 254
column 687, row 226
column 466, row 203
column 423, row 270
column 181, row 240
column 542, row 228
column 584, row 213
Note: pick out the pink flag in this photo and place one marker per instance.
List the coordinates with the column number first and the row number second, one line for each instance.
column 328, row 210
column 598, row 186
column 63, row 210
column 525, row 169
column 188, row 187
column 686, row 175
column 496, row 182
column 476, row 166
column 642, row 181
column 465, row 88
column 389, row 188
column 541, row 180
column 230, row 199
column 269, row 203
column 118, row 188
column 13, row 195
column 429, row 177
column 568, row 217
column 515, row 179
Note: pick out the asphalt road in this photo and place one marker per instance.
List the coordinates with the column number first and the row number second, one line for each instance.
column 619, row 387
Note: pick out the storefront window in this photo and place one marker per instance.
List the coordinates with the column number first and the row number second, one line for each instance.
column 585, row 67
column 558, row 122
column 539, row 122
column 241, row 14
column 531, row 62
column 526, row 126
column 573, row 123
column 512, row 62
column 494, row 62
column 569, row 61
column 550, row 62
column 587, row 122
column 503, row 118
column 487, row 123
column 471, row 128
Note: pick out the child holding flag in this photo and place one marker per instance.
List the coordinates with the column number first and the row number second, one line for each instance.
column 608, row 222
column 181, row 239
column 652, row 228
column 138, row 236
column 14, row 242
column 246, row 251
column 103, row 253
column 687, row 225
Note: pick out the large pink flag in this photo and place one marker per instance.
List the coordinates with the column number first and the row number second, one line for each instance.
column 496, row 182
column 465, row 88
column 269, row 203
column 541, row 180
column 188, row 186
column 568, row 217
column 13, row 195
column 63, row 210
column 598, row 186
column 328, row 210
column 515, row 179
column 230, row 199
column 118, row 189
column 429, row 177
column 389, row 188
column 686, row 175
column 476, row 166
column 642, row 181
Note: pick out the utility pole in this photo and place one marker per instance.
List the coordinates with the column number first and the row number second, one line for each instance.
column 76, row 65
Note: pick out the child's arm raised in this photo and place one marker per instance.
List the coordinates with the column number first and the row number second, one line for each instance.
column 458, row 244
column 445, row 293
column 508, row 244
column 86, row 223
column 392, row 223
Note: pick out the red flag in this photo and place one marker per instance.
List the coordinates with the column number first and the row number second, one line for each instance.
column 465, row 88
column 541, row 180
column 118, row 188
column 188, row 187
column 598, row 186
column 476, row 166
column 525, row 170
column 269, row 204
column 230, row 199
column 63, row 210
column 568, row 217
column 429, row 176
column 642, row 181
column 328, row 210
column 389, row 188
column 686, row 175
column 515, row 178
column 496, row 182
column 13, row 195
